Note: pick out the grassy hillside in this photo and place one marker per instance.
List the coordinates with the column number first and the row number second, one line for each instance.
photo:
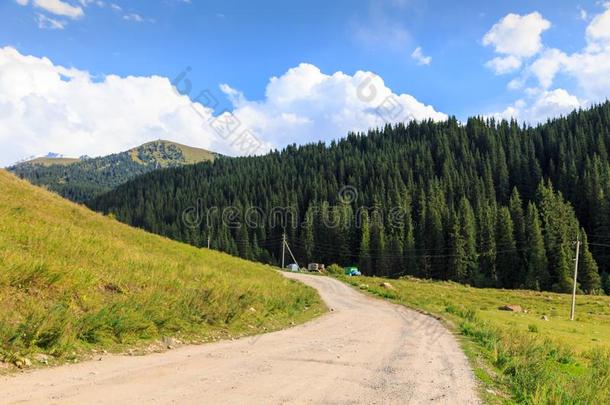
column 554, row 361
column 82, row 179
column 47, row 161
column 157, row 152
column 72, row 280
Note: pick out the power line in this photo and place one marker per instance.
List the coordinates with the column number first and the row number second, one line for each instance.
column 598, row 244
column 333, row 249
column 598, row 236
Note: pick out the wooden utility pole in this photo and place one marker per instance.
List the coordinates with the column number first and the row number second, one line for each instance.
column 283, row 248
column 290, row 251
column 575, row 278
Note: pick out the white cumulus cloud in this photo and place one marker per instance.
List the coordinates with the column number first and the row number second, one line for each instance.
column 504, row 64
column 599, row 28
column 588, row 69
column 516, row 37
column 540, row 106
column 45, row 107
column 547, row 65
column 306, row 105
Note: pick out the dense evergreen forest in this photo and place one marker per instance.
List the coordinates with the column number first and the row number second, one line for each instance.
column 89, row 177
column 485, row 202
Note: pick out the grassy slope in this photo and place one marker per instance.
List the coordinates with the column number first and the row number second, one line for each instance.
column 195, row 155
column 191, row 155
column 72, row 280
column 44, row 161
column 532, row 360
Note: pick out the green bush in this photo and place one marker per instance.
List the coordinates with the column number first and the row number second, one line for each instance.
column 334, row 269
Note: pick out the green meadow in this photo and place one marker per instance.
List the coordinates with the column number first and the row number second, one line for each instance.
column 518, row 357
column 74, row 282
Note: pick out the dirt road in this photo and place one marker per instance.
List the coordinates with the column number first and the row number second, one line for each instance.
column 364, row 351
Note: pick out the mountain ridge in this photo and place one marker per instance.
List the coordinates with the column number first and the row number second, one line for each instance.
column 80, row 179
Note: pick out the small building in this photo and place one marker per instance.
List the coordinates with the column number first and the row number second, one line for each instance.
column 293, row 267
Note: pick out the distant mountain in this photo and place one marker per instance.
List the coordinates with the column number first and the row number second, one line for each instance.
column 54, row 155
column 48, row 159
column 80, row 179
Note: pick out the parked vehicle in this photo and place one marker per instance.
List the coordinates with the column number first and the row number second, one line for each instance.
column 293, row 267
column 352, row 271
column 315, row 267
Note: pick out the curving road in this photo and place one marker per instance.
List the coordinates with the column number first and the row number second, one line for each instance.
column 364, row 351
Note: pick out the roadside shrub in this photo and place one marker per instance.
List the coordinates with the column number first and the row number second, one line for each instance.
column 465, row 313
column 334, row 269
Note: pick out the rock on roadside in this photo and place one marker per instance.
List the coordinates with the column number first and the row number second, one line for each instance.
column 511, row 308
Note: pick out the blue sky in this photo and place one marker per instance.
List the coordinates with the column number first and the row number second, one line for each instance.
column 245, row 43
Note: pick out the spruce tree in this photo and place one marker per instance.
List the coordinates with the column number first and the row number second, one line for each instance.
column 518, row 217
column 469, row 235
column 365, row 262
column 393, row 257
column 487, row 274
column 506, row 261
column 537, row 276
column 307, row 234
column 458, row 259
column 588, row 273
column 378, row 244
column 560, row 229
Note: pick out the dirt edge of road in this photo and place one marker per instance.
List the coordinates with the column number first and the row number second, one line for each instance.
column 364, row 350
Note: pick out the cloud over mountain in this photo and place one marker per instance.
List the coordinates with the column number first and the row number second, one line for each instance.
column 44, row 106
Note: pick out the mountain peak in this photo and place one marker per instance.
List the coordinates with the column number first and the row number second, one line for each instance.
column 83, row 178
